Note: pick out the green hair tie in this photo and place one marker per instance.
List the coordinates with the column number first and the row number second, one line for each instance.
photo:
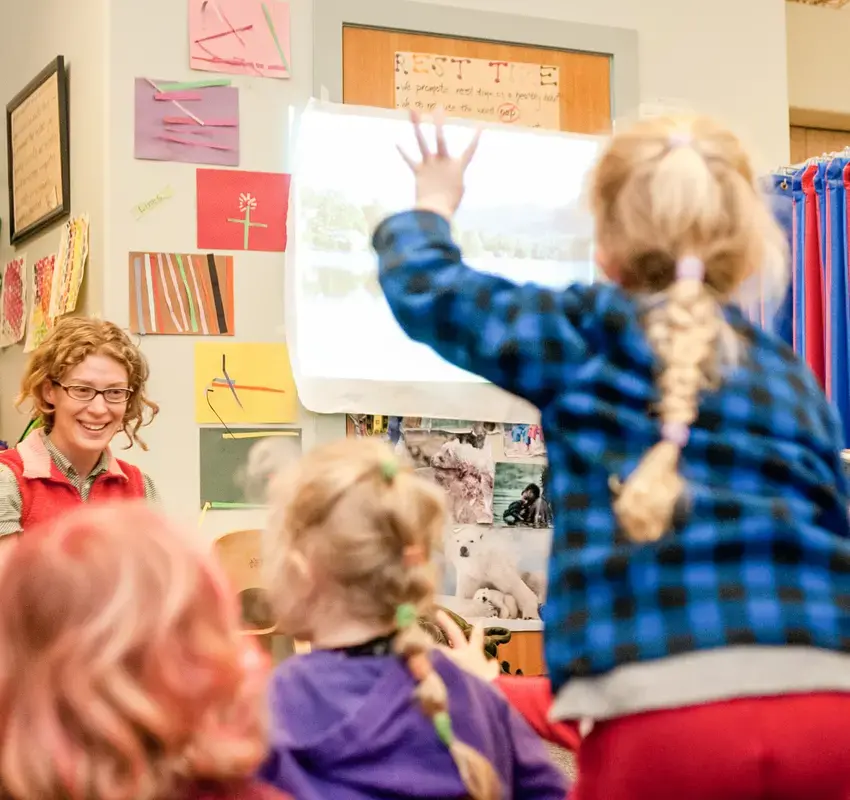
column 389, row 469
column 443, row 725
column 406, row 616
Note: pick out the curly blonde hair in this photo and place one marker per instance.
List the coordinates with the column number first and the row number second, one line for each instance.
column 663, row 192
column 356, row 515
column 68, row 344
column 122, row 671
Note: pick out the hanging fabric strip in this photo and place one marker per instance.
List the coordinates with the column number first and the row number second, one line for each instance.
column 837, row 308
column 798, row 265
column 819, row 181
column 813, row 279
column 843, row 379
column 779, row 316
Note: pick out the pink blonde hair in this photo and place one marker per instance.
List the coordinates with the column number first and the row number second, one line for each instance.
column 122, row 671
column 363, row 521
column 664, row 192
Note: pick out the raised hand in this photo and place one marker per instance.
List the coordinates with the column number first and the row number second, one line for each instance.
column 439, row 176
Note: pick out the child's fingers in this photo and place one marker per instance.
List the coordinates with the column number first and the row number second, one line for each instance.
column 439, row 119
column 416, row 119
column 407, row 159
column 452, row 630
column 476, row 639
column 469, row 153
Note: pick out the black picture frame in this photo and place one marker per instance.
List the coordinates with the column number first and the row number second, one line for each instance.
column 56, row 145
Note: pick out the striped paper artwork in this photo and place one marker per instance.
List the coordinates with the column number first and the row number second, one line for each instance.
column 178, row 293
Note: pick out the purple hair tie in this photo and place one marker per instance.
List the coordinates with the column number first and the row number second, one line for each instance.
column 676, row 433
column 679, row 139
column 690, row 268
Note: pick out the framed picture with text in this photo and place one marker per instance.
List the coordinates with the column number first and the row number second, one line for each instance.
column 39, row 153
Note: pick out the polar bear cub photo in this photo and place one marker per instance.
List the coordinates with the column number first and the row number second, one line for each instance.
column 482, row 560
column 504, row 606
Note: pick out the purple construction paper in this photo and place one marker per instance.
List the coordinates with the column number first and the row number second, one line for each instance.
column 216, row 103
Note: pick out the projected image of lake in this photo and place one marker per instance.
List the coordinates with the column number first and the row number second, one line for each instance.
column 521, row 219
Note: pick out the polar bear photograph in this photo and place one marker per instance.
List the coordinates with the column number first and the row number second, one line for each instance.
column 501, row 605
column 496, row 572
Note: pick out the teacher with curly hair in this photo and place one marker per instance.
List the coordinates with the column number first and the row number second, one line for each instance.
column 86, row 382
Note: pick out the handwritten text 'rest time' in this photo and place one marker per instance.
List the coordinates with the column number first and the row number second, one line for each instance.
column 493, row 91
column 445, row 66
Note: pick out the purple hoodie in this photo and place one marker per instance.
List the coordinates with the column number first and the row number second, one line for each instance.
column 347, row 728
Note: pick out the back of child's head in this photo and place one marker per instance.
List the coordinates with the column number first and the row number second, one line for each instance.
column 679, row 217
column 363, row 526
column 122, row 671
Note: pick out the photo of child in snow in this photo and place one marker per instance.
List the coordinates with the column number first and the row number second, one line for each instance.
column 518, row 496
column 495, row 573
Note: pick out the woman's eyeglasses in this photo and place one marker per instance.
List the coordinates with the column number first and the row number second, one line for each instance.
column 85, row 394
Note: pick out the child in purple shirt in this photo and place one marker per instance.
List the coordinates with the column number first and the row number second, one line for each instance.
column 372, row 713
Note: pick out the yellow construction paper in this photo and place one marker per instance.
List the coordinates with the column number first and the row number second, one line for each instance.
column 254, row 369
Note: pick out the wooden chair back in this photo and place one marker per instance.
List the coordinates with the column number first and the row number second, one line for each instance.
column 240, row 554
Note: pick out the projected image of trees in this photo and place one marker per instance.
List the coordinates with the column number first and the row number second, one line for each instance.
column 338, row 232
column 331, row 224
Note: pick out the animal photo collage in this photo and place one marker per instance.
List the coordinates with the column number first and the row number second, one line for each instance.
column 497, row 542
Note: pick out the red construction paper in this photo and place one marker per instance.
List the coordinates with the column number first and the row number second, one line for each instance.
column 13, row 302
column 230, row 199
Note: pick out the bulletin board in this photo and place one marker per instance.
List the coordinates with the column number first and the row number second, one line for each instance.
column 379, row 66
column 394, row 54
column 38, row 153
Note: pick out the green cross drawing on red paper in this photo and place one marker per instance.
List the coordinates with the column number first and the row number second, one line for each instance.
column 247, row 204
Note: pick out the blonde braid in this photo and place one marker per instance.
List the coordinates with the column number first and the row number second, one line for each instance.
column 368, row 523
column 684, row 333
column 413, row 645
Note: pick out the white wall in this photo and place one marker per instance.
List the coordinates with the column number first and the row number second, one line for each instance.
column 34, row 33
column 264, row 144
column 818, row 58
column 725, row 57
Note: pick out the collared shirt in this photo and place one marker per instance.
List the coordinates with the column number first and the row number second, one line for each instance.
column 10, row 493
column 760, row 555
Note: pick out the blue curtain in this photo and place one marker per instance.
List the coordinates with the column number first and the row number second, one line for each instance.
column 836, row 306
column 781, row 199
column 815, row 314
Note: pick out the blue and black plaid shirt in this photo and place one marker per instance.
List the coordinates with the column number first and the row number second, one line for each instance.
column 761, row 554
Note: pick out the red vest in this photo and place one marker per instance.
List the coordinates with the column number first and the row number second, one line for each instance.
column 46, row 492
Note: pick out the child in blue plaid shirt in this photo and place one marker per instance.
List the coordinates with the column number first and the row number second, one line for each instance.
column 699, row 581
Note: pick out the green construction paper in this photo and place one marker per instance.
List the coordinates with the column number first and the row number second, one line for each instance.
column 186, row 85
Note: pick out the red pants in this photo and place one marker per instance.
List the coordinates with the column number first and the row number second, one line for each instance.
column 783, row 748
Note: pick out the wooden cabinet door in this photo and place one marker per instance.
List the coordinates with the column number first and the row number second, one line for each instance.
column 814, row 142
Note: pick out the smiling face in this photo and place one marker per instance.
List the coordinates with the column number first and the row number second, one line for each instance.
column 82, row 428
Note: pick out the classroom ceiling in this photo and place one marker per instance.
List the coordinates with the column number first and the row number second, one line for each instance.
column 823, row 3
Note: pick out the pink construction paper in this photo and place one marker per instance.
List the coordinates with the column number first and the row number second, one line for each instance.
column 217, row 144
column 233, row 36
